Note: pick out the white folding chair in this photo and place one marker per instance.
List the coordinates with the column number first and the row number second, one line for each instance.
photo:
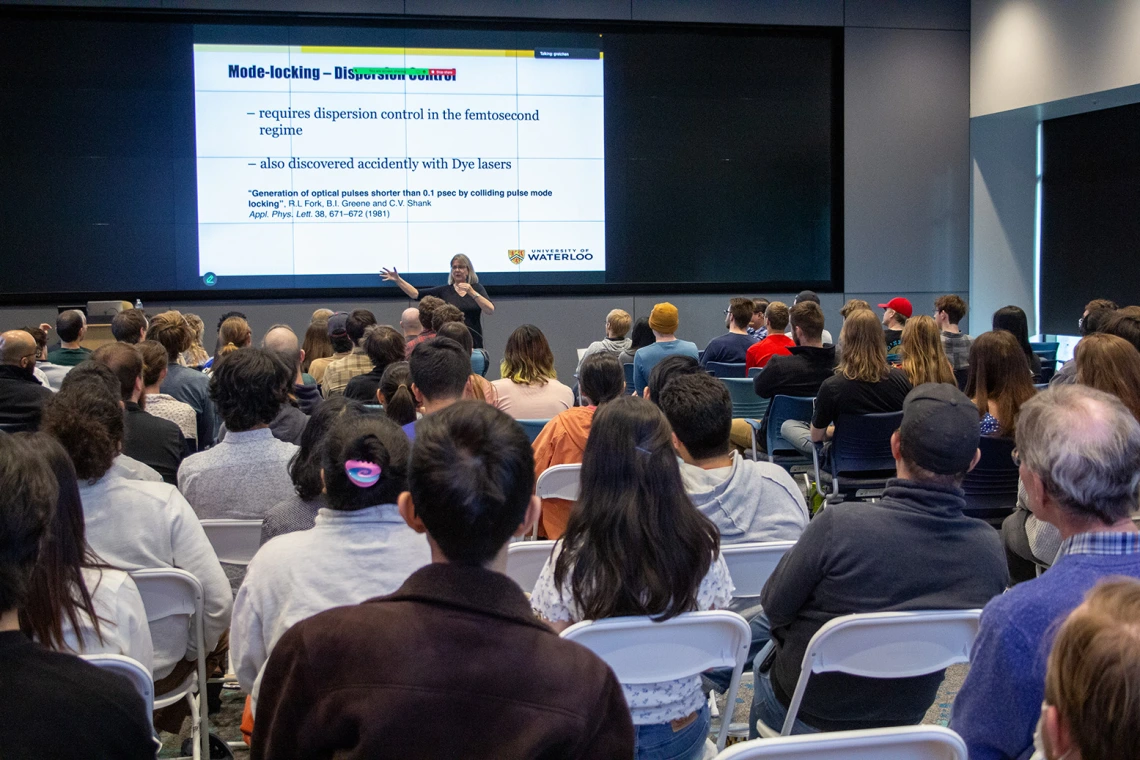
column 168, row 593
column 883, row 645
column 558, row 482
column 131, row 669
column 899, row 743
column 641, row 651
column 751, row 564
column 234, row 541
column 525, row 560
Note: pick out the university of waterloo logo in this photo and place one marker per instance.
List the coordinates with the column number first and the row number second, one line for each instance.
column 516, row 255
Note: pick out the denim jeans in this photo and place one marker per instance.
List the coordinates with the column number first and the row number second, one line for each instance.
column 766, row 706
column 660, row 742
column 721, row 677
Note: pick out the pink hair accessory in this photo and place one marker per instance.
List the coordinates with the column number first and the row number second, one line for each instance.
column 362, row 474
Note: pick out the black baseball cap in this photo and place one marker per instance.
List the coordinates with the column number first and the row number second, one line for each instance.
column 338, row 324
column 806, row 295
column 939, row 430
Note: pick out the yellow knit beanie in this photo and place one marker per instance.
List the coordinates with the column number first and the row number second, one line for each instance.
column 663, row 318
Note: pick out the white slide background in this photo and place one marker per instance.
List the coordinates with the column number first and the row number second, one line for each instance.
column 321, row 231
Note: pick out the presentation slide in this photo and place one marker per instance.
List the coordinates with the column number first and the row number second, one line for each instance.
column 315, row 160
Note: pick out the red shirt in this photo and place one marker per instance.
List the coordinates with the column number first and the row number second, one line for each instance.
column 774, row 345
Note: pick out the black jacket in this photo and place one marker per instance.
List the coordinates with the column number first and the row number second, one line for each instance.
column 800, row 374
column 153, row 441
column 21, row 398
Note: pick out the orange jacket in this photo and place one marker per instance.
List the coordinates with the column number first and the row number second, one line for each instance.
column 562, row 441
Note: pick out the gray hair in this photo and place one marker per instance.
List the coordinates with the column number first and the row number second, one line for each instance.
column 471, row 276
column 1085, row 446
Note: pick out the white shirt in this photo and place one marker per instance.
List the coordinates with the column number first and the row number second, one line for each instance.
column 653, row 703
column 122, row 619
column 345, row 558
column 132, row 524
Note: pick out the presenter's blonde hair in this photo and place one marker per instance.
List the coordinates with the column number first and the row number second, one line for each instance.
column 471, row 276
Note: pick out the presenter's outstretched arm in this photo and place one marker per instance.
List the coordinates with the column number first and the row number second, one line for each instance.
column 485, row 305
column 391, row 275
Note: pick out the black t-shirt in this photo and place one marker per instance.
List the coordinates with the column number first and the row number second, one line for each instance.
column 893, row 339
column 57, row 705
column 153, row 441
column 472, row 314
column 838, row 395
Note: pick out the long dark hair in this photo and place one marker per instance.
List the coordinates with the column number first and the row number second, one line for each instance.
column 396, row 388
column 1013, row 320
column 641, row 336
column 997, row 373
column 58, row 592
column 305, row 466
column 635, row 544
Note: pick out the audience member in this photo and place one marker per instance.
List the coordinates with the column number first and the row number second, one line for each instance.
column 529, row 388
column 876, row 557
column 439, row 369
column 1079, row 454
column 998, row 382
column 478, row 387
column 161, row 404
column 895, row 314
column 341, row 371
column 1013, row 320
column 132, row 524
column 155, row 442
column 777, row 343
column 634, row 545
column 196, row 356
column 731, row 347
column 667, row 369
column 949, row 310
column 54, row 705
column 1125, row 323
column 71, row 327
column 235, row 330
column 471, row 488
column 246, row 473
column 853, row 305
column 50, row 375
column 444, row 315
column 1097, row 304
column 316, row 346
column 320, row 315
column 395, row 394
column 22, row 397
column 339, row 341
column 129, row 326
column 758, row 325
column 663, row 321
column 298, row 510
column 1112, row 365
column 384, row 345
column 358, row 548
column 427, row 307
column 77, row 603
column 640, row 336
column 923, row 358
column 863, row 383
column 809, row 296
column 183, row 384
column 1093, row 679
column 745, row 500
column 410, row 324
column 234, row 333
column 305, row 394
column 618, row 323
column 1096, row 316
column 563, row 439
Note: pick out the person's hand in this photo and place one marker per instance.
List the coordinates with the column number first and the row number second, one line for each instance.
column 390, row 275
column 462, row 288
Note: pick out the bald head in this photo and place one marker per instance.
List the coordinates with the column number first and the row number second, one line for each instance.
column 410, row 323
column 283, row 341
column 17, row 348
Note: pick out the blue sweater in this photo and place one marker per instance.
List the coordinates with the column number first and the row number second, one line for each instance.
column 646, row 359
column 1000, row 702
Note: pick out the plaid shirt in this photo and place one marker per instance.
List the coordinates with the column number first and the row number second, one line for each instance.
column 1101, row 543
column 957, row 346
column 341, row 371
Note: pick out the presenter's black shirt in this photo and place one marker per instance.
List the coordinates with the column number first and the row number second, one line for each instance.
column 472, row 314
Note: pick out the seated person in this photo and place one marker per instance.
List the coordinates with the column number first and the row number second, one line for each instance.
column 663, row 321
column 358, row 548
column 160, row 404
column 384, row 345
column 758, row 325
column 1013, row 320
column 563, row 439
column 339, row 372
column 478, row 387
column 809, row 296
column 949, row 310
column 667, row 369
column 427, row 307
column 50, row 375
column 639, row 337
column 71, row 327
column 129, row 326
column 632, row 495
column 998, row 382
column 105, row 716
column 439, row 369
column 874, row 557
column 471, row 485
column 618, row 323
column 155, row 442
column 529, row 388
column 183, row 384
column 395, row 394
column 923, row 358
column 22, row 397
column 895, row 314
column 247, row 472
column 777, row 343
column 732, row 347
column 339, row 341
column 305, row 393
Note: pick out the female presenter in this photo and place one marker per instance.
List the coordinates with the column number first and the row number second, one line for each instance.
column 462, row 290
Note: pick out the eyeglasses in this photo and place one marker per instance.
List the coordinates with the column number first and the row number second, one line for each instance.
column 1015, row 456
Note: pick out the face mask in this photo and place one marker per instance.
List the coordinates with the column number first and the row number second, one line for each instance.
column 1039, row 739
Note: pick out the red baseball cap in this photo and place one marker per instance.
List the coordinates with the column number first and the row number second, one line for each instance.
column 901, row 305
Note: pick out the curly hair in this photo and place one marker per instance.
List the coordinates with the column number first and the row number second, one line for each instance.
column 86, row 418
column 249, row 386
column 173, row 331
column 444, row 314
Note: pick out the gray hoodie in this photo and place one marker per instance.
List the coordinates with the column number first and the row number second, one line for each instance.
column 607, row 345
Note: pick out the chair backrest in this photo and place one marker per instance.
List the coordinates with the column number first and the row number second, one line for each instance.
column 172, row 593
column 886, row 645
column 725, row 369
column 754, row 371
column 782, row 409
column 234, row 541
column 898, row 743
column 993, row 482
column 629, row 389
column 1046, row 350
column 131, row 669
column 862, row 442
column 479, row 362
column 559, row 482
column 745, row 403
column 525, row 560
column 532, row 427
column 751, row 564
